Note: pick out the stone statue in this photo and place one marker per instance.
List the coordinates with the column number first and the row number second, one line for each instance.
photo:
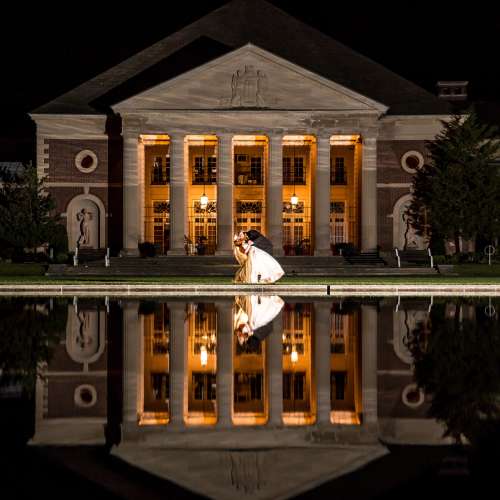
column 261, row 88
column 236, row 87
column 83, row 340
column 248, row 88
column 84, row 217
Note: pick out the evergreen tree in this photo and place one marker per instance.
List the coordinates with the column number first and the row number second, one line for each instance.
column 458, row 366
column 26, row 211
column 457, row 194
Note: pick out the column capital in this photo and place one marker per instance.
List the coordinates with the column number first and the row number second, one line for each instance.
column 276, row 136
column 225, row 135
column 323, row 135
column 132, row 124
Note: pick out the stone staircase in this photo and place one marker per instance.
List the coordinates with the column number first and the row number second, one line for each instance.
column 213, row 265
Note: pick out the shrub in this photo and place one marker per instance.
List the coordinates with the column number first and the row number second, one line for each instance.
column 439, row 259
column 147, row 249
column 61, row 258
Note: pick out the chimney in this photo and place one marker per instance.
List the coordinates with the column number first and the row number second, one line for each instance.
column 452, row 90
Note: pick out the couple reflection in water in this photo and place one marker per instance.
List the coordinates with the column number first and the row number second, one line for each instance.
column 253, row 318
column 253, row 252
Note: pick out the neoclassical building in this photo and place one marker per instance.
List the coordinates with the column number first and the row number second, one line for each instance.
column 246, row 118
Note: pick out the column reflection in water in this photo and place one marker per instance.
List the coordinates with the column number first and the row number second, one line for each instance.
column 345, row 363
column 297, row 362
column 202, row 363
column 156, row 363
column 253, row 322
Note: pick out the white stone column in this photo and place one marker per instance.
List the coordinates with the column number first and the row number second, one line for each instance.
column 321, row 211
column 132, row 352
column 224, row 195
column 274, row 358
column 369, row 239
column 178, row 362
column 178, row 195
column 322, row 328
column 274, row 194
column 225, row 364
column 131, row 188
column 369, row 329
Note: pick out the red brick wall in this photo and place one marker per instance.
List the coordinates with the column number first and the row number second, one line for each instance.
column 389, row 155
column 62, row 154
column 389, row 171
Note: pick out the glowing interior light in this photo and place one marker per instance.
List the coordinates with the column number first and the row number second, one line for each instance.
column 295, row 355
column 204, row 355
column 203, row 201
column 295, row 200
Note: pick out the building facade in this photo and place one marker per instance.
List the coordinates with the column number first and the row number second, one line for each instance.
column 246, row 118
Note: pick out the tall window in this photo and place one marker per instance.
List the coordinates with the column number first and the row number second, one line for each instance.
column 293, row 170
column 160, row 172
column 248, row 170
column 337, row 171
column 204, row 170
column 339, row 384
column 338, row 222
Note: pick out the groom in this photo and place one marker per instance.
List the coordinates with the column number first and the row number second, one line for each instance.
column 260, row 241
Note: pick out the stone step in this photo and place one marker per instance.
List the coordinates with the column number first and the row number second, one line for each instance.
column 230, row 270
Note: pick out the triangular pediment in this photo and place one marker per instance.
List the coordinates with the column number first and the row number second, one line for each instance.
column 250, row 78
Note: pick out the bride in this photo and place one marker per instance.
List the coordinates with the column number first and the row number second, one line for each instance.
column 254, row 315
column 256, row 265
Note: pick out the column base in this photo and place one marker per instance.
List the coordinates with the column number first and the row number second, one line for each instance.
column 278, row 252
column 176, row 251
column 322, row 252
column 224, row 253
column 129, row 252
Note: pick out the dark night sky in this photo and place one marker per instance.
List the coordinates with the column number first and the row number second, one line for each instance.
column 55, row 49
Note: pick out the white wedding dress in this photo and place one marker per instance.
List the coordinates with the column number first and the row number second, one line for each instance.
column 256, row 311
column 257, row 266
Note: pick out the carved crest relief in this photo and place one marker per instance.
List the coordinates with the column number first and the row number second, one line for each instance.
column 249, row 89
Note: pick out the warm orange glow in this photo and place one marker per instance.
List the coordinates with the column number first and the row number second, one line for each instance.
column 247, row 140
column 298, row 418
column 154, row 418
column 201, row 140
column 344, row 418
column 154, row 139
column 343, row 140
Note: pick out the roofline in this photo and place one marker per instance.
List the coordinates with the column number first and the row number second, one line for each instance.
column 251, row 47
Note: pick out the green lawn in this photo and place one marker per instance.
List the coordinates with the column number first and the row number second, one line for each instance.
column 467, row 274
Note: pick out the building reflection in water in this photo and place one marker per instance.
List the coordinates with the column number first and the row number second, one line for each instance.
column 169, row 380
column 251, row 361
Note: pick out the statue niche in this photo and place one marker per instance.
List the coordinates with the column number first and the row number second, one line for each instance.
column 83, row 224
column 85, row 334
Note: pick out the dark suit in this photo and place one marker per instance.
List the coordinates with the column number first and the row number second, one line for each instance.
column 260, row 241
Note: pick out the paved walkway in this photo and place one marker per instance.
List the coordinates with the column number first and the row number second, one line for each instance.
column 155, row 289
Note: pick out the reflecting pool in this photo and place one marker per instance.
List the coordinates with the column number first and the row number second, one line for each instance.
column 258, row 395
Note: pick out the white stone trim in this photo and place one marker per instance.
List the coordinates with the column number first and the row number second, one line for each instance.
column 69, row 126
column 78, row 398
column 82, row 185
column 408, row 154
column 83, row 154
column 404, row 396
column 394, row 185
column 42, row 156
